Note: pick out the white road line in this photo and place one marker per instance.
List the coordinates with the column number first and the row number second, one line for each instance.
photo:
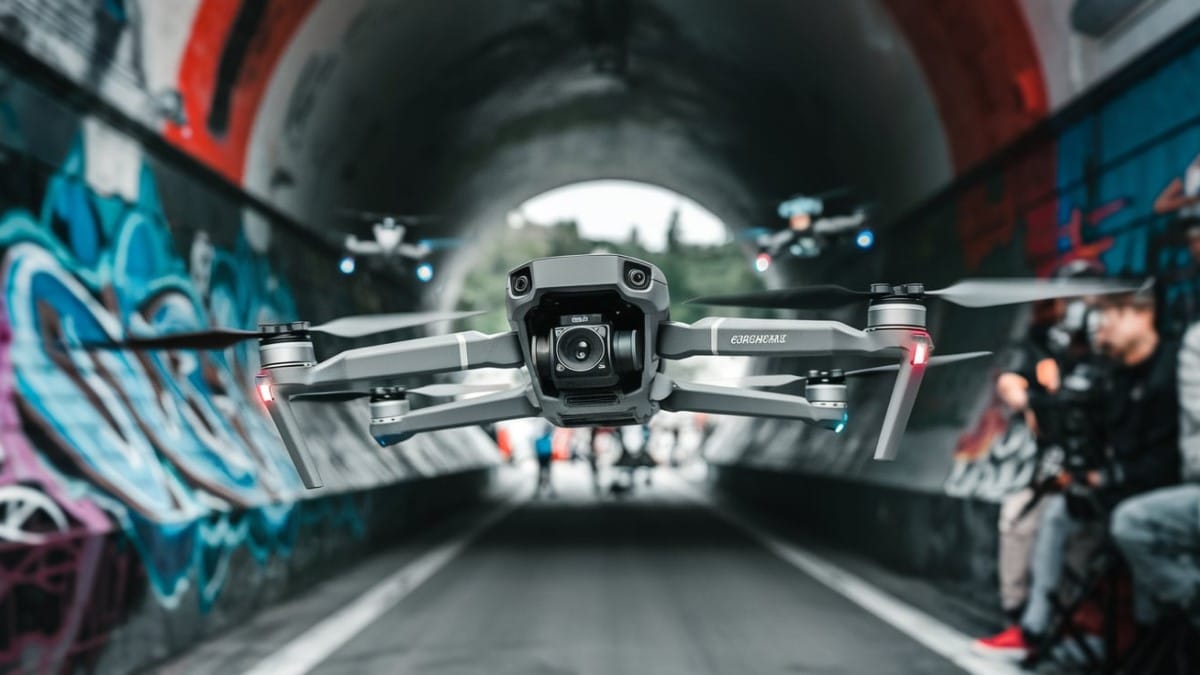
column 314, row 645
column 933, row 634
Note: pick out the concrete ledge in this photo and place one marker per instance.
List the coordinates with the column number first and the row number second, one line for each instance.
column 949, row 541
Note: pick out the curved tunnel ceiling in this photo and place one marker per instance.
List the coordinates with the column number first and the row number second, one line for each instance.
column 470, row 108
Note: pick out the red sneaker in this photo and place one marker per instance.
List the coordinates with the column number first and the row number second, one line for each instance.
column 1009, row 644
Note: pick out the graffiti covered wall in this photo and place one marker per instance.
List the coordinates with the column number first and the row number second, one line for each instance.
column 137, row 490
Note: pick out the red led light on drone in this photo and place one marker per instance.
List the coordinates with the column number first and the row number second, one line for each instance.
column 265, row 393
column 920, row 354
column 763, row 262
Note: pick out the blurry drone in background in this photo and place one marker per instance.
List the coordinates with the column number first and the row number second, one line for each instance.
column 593, row 332
column 388, row 232
column 813, row 225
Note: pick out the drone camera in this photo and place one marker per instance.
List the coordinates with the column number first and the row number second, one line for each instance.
column 637, row 276
column 581, row 352
column 519, row 282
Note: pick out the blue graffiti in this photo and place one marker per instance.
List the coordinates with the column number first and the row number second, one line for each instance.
column 1133, row 149
column 172, row 445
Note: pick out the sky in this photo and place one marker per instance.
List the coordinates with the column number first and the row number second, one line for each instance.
column 609, row 209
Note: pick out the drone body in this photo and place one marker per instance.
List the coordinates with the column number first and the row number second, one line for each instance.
column 593, row 332
column 588, row 325
column 388, row 241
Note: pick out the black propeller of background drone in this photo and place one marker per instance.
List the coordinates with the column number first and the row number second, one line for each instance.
column 375, row 216
column 346, row 327
column 967, row 293
column 781, row 380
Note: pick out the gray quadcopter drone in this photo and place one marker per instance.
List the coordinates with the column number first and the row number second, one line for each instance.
column 388, row 232
column 593, row 332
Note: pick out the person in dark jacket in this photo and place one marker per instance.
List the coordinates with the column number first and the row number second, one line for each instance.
column 1141, row 420
column 1159, row 532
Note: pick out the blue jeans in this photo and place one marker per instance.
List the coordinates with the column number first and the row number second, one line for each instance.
column 1047, row 561
column 1159, row 534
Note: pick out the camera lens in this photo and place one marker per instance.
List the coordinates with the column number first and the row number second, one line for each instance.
column 520, row 283
column 637, row 278
column 580, row 349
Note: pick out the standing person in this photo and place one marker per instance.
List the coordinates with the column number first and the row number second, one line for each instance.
column 624, row 465
column 1032, row 369
column 543, row 447
column 1055, row 344
column 646, row 460
column 590, row 438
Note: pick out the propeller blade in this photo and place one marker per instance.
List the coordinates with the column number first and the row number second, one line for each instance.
column 221, row 338
column 753, row 233
column 440, row 244
column 998, row 292
column 823, row 296
column 376, row 216
column 933, row 361
column 452, row 389
column 369, row 324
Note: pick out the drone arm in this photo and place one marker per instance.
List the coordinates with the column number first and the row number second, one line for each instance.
column 691, row 397
column 415, row 252
column 837, row 224
column 904, row 395
column 280, row 408
column 505, row 405
column 360, row 247
column 378, row 365
column 777, row 241
column 767, row 337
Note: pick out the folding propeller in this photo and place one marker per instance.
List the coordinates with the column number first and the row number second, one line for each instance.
column 440, row 243
column 375, row 216
column 967, row 293
column 221, row 338
column 767, row 381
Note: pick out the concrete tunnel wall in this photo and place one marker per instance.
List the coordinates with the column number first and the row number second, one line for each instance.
column 308, row 105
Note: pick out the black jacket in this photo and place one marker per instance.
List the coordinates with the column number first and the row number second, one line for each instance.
column 1142, row 417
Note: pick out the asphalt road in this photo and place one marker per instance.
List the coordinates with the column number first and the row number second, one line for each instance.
column 644, row 584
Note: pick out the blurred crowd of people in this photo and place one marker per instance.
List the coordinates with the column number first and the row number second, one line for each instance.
column 617, row 457
column 1110, row 387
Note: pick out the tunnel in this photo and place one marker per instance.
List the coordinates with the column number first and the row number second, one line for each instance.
column 185, row 165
